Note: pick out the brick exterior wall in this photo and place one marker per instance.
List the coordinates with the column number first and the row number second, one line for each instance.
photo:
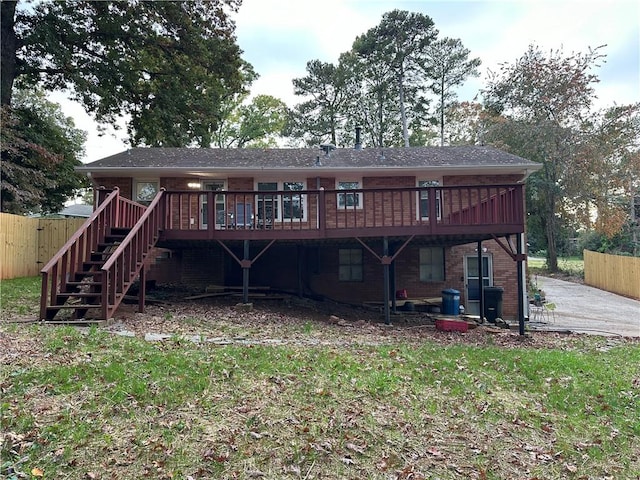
column 196, row 267
column 278, row 268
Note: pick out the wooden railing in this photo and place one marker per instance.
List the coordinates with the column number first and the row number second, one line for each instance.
column 341, row 213
column 124, row 264
column 113, row 211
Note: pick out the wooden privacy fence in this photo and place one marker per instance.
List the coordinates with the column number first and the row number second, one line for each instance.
column 26, row 244
column 613, row 273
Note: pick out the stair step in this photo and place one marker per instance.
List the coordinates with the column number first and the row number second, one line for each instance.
column 108, row 244
column 80, row 294
column 77, row 306
column 83, row 321
column 81, row 284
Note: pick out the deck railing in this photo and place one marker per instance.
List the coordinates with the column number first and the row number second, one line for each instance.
column 113, row 211
column 339, row 213
column 124, row 264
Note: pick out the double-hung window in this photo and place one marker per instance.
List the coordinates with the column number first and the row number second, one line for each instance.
column 423, row 199
column 350, row 265
column 432, row 264
column 349, row 199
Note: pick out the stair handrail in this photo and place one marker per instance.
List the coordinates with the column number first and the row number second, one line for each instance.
column 77, row 249
column 125, row 262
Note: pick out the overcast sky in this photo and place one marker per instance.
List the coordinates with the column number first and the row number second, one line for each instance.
column 279, row 37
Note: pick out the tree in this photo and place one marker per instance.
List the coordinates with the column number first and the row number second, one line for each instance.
column 322, row 116
column 606, row 175
column 165, row 65
column 40, row 148
column 544, row 100
column 467, row 123
column 448, row 65
column 256, row 124
column 397, row 46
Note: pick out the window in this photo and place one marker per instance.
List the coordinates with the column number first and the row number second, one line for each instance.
column 220, row 213
column 349, row 199
column 278, row 207
column 145, row 190
column 267, row 204
column 292, row 204
column 350, row 265
column 432, row 264
column 423, row 199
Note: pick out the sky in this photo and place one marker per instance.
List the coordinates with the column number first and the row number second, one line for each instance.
column 278, row 37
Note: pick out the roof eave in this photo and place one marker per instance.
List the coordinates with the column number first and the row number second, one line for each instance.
column 377, row 170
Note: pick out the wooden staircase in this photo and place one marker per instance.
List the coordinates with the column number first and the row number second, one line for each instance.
column 88, row 278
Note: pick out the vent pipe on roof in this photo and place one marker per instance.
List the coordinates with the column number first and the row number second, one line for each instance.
column 318, row 162
column 358, row 145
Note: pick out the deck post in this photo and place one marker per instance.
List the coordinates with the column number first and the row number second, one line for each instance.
column 480, row 281
column 246, row 265
column 521, row 283
column 301, row 253
column 142, row 289
column 385, row 266
column 393, row 282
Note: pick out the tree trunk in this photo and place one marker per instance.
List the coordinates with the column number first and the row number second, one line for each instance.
column 442, row 112
column 550, row 230
column 403, row 111
column 9, row 47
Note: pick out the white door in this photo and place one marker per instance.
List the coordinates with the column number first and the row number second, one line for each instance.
column 220, row 214
column 471, row 281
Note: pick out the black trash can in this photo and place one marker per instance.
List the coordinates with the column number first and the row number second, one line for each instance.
column 493, row 303
column 450, row 301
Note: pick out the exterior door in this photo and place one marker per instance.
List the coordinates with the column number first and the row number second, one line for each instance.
column 220, row 215
column 472, row 285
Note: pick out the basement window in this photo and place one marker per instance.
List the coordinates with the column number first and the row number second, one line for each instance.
column 432, row 264
column 350, row 265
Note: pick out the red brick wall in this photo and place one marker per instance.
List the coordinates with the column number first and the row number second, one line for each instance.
column 196, row 267
column 453, row 180
column 324, row 281
column 125, row 184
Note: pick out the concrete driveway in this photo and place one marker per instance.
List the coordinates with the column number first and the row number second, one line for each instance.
column 584, row 309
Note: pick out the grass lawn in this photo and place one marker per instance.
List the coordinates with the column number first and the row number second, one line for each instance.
column 329, row 403
column 569, row 266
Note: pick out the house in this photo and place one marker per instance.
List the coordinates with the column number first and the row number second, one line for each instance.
column 350, row 224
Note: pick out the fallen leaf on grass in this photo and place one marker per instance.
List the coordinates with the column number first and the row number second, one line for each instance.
column 355, row 448
column 434, row 451
column 37, row 472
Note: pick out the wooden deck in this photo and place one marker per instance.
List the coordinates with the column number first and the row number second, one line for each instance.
column 474, row 211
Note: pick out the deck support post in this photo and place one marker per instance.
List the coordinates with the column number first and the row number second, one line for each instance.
column 385, row 266
column 521, row 283
column 301, row 251
column 142, row 289
column 480, row 281
column 246, row 265
column 393, row 282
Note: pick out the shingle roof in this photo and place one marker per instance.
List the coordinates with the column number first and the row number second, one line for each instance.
column 300, row 158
